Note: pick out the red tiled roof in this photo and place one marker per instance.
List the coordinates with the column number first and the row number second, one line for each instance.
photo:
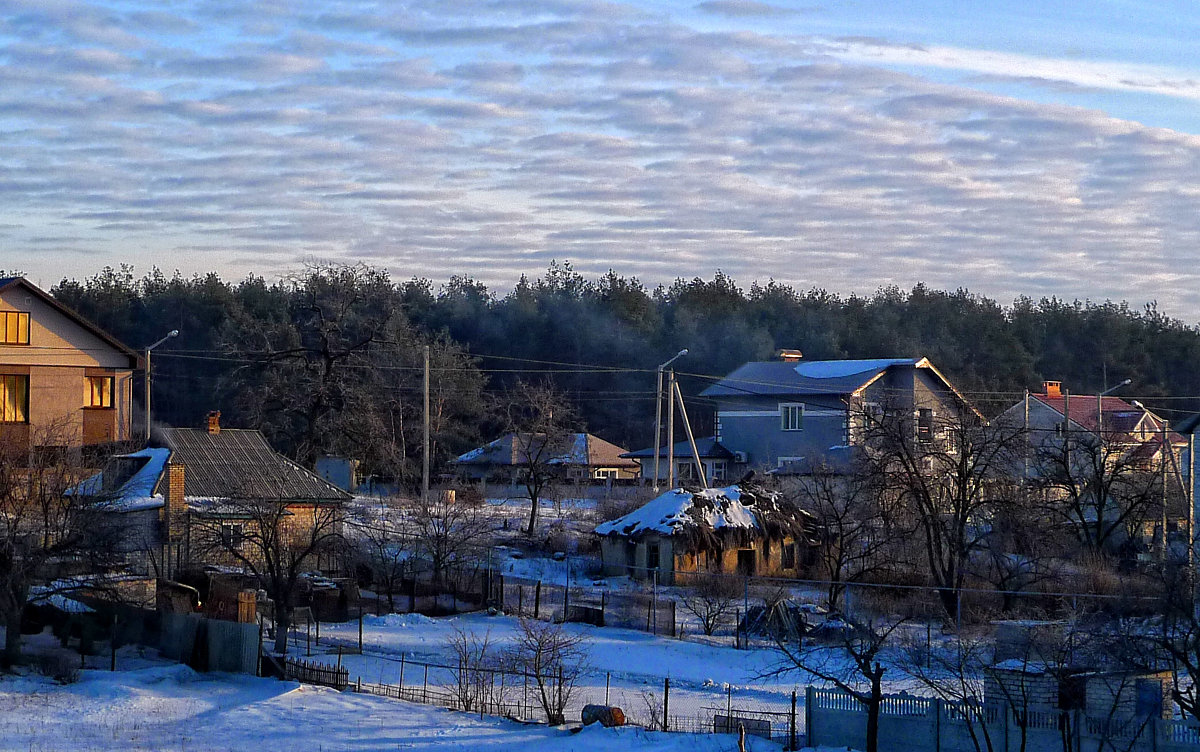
column 1119, row 416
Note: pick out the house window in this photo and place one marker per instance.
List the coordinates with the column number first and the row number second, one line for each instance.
column 652, row 555
column 15, row 330
column 720, row 469
column 98, row 391
column 924, row 424
column 789, row 556
column 685, row 470
column 791, row 417
column 604, row 473
column 231, row 535
column 14, row 399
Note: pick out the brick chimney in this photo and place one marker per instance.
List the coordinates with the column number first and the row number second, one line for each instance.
column 789, row 356
column 214, row 422
column 1053, row 388
column 175, row 509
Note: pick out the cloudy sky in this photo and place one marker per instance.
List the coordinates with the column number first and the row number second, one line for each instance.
column 1022, row 147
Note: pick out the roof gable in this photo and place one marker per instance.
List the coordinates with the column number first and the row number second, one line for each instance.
column 579, row 449
column 9, row 283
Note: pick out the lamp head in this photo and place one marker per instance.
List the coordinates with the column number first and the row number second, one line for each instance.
column 682, row 352
column 173, row 333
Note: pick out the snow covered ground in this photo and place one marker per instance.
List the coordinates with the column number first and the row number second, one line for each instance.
column 170, row 707
column 627, row 663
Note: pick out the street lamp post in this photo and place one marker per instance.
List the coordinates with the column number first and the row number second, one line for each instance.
column 658, row 415
column 171, row 334
column 1100, row 406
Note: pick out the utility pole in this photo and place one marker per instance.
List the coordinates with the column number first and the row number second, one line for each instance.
column 687, row 426
column 658, row 398
column 425, row 447
column 670, row 430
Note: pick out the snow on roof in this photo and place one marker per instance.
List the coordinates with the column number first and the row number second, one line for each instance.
column 836, row 369
column 135, row 494
column 718, row 508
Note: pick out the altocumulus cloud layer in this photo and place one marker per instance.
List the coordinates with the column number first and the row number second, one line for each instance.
column 489, row 138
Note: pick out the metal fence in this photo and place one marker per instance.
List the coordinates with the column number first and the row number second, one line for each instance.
column 647, row 612
column 534, row 698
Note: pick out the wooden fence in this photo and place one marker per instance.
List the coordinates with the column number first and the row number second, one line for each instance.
column 310, row 672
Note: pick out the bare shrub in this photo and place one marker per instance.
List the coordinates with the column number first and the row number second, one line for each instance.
column 472, row 680
column 711, row 598
column 61, row 666
column 654, row 710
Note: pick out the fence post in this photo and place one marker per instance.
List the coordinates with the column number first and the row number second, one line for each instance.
column 537, row 600
column 810, row 731
column 360, row 617
column 307, row 637
column 318, row 632
column 654, row 599
column 258, row 668
column 607, row 679
column 666, row 701
column 401, row 673
column 425, row 686
column 937, row 724
column 792, row 724
column 737, row 628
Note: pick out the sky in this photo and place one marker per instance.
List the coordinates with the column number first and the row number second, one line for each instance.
column 1020, row 148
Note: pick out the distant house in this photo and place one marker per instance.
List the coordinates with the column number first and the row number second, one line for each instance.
column 1134, row 437
column 740, row 529
column 198, row 476
column 775, row 414
column 716, row 459
column 64, row 382
column 579, row 457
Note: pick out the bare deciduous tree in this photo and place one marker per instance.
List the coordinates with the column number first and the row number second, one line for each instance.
column 383, row 547
column 543, row 426
column 711, row 597
column 861, row 676
column 444, row 528
column 947, row 473
column 555, row 659
column 275, row 539
column 857, row 530
column 42, row 520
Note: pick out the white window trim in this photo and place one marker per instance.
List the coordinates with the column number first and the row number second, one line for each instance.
column 784, row 407
column 781, row 461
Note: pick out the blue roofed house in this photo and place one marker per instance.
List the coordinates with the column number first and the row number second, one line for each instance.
column 783, row 415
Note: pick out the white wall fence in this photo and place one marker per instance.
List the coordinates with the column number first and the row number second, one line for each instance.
column 917, row 724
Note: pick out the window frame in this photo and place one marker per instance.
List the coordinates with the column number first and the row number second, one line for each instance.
column 925, row 424
column 90, row 392
column 20, row 413
column 788, row 410
column 23, row 327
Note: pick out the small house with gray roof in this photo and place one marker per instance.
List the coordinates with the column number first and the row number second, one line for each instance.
column 786, row 413
column 200, row 475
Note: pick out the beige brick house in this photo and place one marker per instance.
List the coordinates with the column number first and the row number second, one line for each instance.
column 64, row 382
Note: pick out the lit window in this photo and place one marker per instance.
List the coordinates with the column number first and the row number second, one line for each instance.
column 14, row 399
column 98, row 391
column 15, row 327
column 791, row 417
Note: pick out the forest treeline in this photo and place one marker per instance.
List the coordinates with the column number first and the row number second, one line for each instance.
column 329, row 360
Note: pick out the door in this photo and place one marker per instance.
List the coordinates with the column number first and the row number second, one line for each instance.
column 746, row 560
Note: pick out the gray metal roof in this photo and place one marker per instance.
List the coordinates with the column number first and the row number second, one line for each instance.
column 707, row 447
column 237, row 463
column 808, row 377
